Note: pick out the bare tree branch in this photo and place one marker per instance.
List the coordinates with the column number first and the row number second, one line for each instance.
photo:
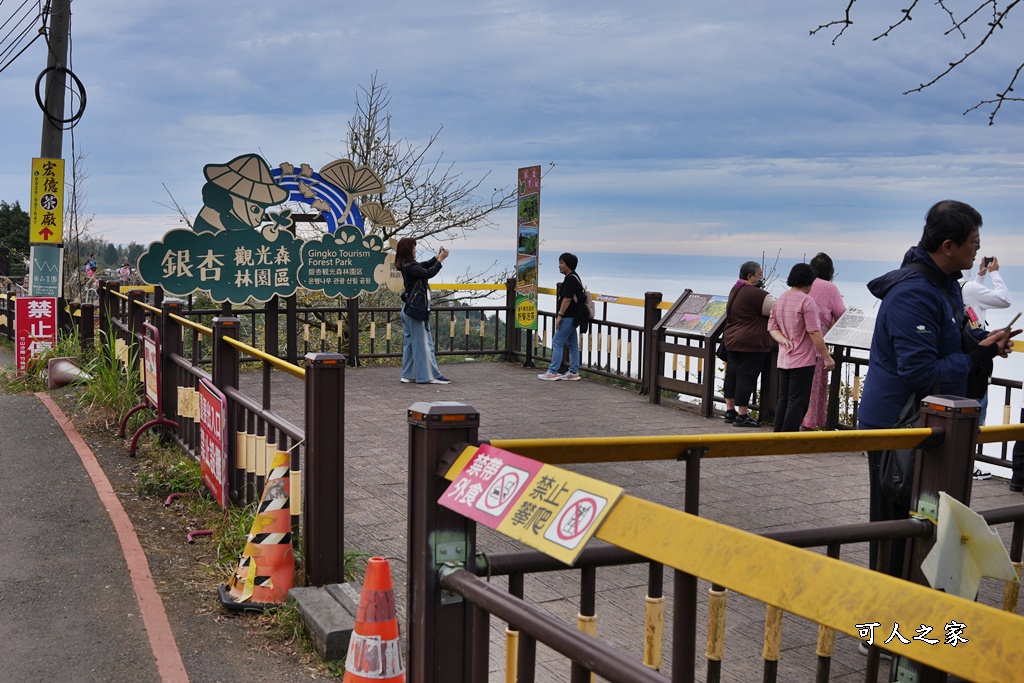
column 999, row 13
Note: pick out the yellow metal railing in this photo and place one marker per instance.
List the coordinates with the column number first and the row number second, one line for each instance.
column 824, row 590
column 639, row 448
column 208, row 331
column 293, row 370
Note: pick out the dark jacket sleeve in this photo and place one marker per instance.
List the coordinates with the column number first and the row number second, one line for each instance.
column 414, row 271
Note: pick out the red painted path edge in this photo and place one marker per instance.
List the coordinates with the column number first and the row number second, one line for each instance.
column 161, row 639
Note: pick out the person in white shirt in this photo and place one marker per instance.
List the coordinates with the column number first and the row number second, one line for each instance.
column 980, row 298
column 977, row 300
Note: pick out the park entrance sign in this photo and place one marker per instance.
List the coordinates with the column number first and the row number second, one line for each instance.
column 238, row 250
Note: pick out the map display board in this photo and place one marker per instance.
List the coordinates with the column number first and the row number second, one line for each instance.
column 698, row 313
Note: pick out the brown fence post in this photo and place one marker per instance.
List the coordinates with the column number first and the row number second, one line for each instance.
column 171, row 342
column 511, row 332
column 650, row 358
column 447, row 636
column 943, row 466
column 225, row 374
column 323, row 509
column 352, row 313
column 86, row 326
column 135, row 315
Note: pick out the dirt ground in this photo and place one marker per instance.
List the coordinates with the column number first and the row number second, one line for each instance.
column 217, row 645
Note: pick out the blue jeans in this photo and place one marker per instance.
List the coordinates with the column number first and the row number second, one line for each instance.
column 418, row 361
column 565, row 335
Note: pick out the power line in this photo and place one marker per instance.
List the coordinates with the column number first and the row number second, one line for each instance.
column 26, row 27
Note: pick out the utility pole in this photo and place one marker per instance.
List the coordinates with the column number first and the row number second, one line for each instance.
column 56, row 80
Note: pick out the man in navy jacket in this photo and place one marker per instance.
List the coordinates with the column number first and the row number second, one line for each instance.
column 917, row 341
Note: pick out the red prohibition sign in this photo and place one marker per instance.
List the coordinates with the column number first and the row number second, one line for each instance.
column 576, row 519
column 502, row 490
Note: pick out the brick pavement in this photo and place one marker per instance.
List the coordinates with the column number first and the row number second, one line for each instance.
column 757, row 494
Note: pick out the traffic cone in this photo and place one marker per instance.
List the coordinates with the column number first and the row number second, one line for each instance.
column 266, row 571
column 374, row 652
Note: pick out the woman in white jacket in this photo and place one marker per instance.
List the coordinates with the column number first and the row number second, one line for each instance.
column 980, row 298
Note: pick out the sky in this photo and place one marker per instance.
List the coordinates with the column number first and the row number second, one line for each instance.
column 674, row 127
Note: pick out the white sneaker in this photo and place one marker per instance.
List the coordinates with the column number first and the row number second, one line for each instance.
column 979, row 475
column 571, row 376
column 407, row 381
column 549, row 376
column 440, row 380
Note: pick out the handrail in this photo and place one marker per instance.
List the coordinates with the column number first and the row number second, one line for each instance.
column 805, row 584
column 469, row 286
column 152, row 309
column 1000, row 433
column 592, row 653
column 293, row 370
column 118, row 294
column 208, row 331
column 563, row 451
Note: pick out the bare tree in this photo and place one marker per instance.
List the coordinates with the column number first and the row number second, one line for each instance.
column 426, row 196
column 76, row 229
column 977, row 24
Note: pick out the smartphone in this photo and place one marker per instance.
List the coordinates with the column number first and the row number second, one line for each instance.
column 986, row 261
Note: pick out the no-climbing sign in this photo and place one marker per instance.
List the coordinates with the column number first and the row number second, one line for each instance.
column 545, row 507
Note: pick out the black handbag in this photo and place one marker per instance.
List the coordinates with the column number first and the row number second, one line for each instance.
column 896, row 467
column 720, row 352
column 416, row 305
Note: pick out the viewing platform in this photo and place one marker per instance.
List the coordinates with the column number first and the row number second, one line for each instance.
column 756, row 494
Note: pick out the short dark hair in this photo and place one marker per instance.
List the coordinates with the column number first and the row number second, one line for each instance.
column 949, row 220
column 569, row 260
column 748, row 269
column 823, row 266
column 404, row 252
column 800, row 275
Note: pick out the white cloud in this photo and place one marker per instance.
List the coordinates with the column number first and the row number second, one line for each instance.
column 678, row 127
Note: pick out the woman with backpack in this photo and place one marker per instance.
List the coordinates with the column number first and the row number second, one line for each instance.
column 568, row 311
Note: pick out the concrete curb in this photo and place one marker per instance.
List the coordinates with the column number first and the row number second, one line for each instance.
column 328, row 615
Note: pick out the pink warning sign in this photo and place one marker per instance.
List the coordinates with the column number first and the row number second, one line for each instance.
column 489, row 486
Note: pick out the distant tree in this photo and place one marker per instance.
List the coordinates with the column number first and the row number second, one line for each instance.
column 976, row 23
column 109, row 259
column 14, row 224
column 134, row 251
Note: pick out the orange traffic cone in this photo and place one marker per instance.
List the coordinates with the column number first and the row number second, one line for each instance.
column 374, row 653
column 266, row 571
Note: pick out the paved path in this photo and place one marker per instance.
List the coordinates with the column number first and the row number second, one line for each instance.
column 756, row 494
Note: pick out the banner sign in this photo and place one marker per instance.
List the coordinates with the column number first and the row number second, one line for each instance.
column 213, row 424
column 46, row 265
column 47, row 208
column 547, row 508
column 151, row 365
column 527, row 248
column 239, row 251
column 35, row 324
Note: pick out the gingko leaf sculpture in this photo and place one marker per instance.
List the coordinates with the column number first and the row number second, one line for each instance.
column 355, row 182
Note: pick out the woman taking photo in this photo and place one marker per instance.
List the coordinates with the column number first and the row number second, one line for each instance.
column 795, row 323
column 418, row 362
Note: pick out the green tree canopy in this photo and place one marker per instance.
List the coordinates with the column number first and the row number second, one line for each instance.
column 14, row 224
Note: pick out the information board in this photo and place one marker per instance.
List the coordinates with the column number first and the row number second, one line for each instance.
column 697, row 313
column 854, row 328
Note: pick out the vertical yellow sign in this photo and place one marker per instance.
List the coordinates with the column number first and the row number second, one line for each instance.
column 47, row 212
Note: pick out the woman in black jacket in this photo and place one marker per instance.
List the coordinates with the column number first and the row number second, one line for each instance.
column 419, row 364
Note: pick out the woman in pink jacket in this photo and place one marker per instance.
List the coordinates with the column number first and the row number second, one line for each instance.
column 795, row 325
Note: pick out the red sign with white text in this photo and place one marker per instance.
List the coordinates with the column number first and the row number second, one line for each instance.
column 35, row 327
column 213, row 458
